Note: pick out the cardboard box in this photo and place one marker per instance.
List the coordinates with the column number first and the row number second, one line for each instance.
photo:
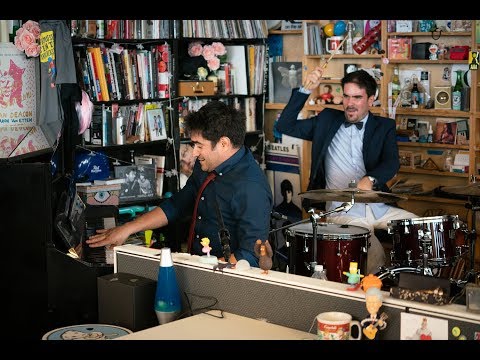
column 196, row 88
column 99, row 194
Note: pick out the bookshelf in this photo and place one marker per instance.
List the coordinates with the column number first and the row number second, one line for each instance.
column 128, row 70
column 240, row 78
column 430, row 179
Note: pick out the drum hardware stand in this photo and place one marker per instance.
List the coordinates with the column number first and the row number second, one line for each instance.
column 474, row 205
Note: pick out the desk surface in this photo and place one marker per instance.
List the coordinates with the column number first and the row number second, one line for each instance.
column 230, row 327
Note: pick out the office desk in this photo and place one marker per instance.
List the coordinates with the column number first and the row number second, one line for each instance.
column 231, row 327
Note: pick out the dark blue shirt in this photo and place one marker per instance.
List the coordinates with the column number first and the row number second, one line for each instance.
column 245, row 201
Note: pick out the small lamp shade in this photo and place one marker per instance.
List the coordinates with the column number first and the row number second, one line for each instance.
column 167, row 297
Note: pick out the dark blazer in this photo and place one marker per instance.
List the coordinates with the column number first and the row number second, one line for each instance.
column 380, row 150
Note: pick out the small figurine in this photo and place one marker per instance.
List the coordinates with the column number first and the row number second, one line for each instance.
column 353, row 276
column 371, row 324
column 265, row 253
column 208, row 259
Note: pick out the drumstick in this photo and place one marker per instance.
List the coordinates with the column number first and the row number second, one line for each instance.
column 309, row 83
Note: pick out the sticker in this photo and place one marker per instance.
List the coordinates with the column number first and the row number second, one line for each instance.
column 456, row 331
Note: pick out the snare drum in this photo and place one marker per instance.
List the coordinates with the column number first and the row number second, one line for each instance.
column 337, row 246
column 435, row 237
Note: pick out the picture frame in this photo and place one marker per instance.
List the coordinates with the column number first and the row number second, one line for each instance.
column 422, row 129
column 139, row 182
column 156, row 124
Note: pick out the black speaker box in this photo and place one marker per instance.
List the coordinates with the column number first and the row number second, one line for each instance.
column 126, row 300
column 420, row 50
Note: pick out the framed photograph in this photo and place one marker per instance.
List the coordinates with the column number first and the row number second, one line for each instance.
column 463, row 135
column 445, row 132
column 286, row 76
column 422, row 129
column 156, row 124
column 139, row 182
column 422, row 327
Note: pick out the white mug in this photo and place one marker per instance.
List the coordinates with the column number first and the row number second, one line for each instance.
column 333, row 45
column 335, row 325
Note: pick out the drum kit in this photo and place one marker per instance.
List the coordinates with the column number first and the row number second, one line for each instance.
column 420, row 245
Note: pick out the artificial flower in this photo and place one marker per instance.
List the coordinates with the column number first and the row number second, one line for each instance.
column 27, row 38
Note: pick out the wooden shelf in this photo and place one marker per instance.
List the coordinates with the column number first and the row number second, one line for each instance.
column 374, row 110
column 424, row 61
column 429, row 33
column 285, row 32
column 274, row 106
column 431, row 145
column 405, row 169
column 433, row 112
column 343, row 56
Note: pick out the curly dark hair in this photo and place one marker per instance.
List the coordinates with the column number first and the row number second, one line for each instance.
column 363, row 80
column 216, row 119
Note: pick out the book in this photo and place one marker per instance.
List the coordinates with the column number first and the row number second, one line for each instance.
column 187, row 161
column 159, row 161
column 108, row 182
column 286, row 76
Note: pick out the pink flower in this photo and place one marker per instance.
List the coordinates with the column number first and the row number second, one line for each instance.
column 27, row 37
column 219, row 48
column 213, row 64
column 195, row 49
column 208, row 52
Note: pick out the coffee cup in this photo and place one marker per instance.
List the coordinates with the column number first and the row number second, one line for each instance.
column 335, row 325
column 333, row 45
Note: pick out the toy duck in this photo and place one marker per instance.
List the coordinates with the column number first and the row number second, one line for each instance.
column 265, row 253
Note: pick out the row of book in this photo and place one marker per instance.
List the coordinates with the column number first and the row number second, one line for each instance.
column 122, row 29
column 109, row 74
column 248, row 105
column 118, row 125
column 225, row 29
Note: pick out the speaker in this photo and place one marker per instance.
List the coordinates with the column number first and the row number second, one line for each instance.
column 126, row 300
column 443, row 97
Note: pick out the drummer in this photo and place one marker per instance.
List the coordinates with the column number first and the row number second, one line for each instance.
column 366, row 153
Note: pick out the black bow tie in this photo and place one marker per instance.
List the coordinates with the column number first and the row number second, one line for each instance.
column 359, row 125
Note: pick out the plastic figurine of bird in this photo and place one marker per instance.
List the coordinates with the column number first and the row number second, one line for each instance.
column 264, row 252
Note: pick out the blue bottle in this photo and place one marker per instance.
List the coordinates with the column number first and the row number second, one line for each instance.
column 167, row 297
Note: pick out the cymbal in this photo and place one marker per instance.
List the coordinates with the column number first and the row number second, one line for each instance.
column 345, row 195
column 468, row 190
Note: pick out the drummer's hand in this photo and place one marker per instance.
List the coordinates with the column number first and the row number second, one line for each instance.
column 365, row 184
column 113, row 236
column 313, row 79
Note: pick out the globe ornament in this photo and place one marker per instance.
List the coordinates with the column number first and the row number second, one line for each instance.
column 339, row 28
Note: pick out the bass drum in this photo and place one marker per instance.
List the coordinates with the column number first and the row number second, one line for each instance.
column 337, row 246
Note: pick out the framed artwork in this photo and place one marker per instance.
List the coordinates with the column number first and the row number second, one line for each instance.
column 139, row 182
column 156, row 124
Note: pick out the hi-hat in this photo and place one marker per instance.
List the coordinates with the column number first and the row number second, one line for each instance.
column 468, row 190
column 359, row 196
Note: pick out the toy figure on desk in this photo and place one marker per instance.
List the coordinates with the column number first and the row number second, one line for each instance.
column 371, row 324
column 265, row 253
column 207, row 259
column 353, row 276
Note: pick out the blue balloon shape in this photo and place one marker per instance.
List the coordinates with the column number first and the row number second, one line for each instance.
column 339, row 28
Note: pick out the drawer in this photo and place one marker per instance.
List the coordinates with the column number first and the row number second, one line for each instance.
column 196, row 88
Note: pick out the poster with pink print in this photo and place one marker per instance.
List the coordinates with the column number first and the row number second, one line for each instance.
column 19, row 97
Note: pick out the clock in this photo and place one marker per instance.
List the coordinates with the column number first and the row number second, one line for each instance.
column 443, row 98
